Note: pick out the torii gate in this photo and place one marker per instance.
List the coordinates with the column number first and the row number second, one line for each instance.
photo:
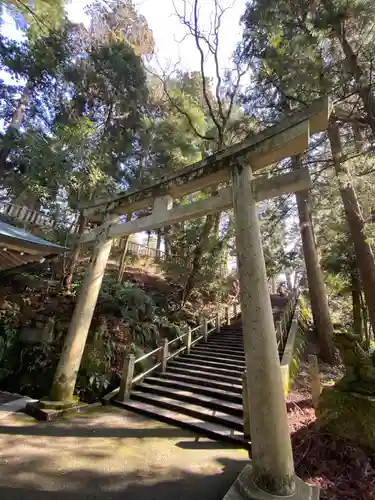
column 272, row 460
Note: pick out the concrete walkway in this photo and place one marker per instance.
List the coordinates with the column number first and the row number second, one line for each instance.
column 111, row 454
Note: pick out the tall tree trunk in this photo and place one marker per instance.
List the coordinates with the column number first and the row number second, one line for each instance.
column 317, row 290
column 356, row 300
column 122, row 266
column 158, row 242
column 73, row 261
column 209, row 225
column 14, row 126
column 167, row 246
column 365, row 320
column 363, row 82
column 121, row 270
column 363, row 252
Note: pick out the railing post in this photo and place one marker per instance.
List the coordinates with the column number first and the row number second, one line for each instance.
column 315, row 379
column 218, row 322
column 164, row 356
column 22, row 213
column 205, row 329
column 188, row 341
column 245, row 407
column 126, row 377
column 227, row 315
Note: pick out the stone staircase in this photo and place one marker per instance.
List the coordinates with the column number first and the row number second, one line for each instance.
column 201, row 391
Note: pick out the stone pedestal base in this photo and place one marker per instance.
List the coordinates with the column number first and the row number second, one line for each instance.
column 42, row 410
column 244, row 489
column 348, row 414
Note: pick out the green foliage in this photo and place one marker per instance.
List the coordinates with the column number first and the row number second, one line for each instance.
column 8, row 337
column 26, row 369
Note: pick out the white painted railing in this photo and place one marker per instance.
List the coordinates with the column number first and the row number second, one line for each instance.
column 25, row 214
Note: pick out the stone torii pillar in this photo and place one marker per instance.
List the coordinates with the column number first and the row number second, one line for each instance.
column 61, row 394
column 271, row 472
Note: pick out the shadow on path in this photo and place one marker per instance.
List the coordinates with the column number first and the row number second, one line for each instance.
column 181, row 485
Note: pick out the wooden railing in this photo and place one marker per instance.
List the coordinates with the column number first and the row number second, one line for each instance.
column 169, row 350
column 25, row 214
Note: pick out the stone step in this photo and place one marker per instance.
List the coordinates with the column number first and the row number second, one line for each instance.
column 214, row 361
column 187, row 363
column 233, row 327
column 209, row 429
column 214, row 402
column 228, row 333
column 199, row 380
column 197, row 388
column 231, row 340
column 225, row 345
column 194, row 410
column 240, row 351
column 217, row 352
column 207, row 374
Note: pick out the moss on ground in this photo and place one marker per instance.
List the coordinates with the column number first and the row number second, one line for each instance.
column 349, row 415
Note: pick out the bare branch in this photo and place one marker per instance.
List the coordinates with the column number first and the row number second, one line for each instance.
column 204, row 81
column 193, row 27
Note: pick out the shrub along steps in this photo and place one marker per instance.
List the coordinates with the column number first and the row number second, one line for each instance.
column 201, row 391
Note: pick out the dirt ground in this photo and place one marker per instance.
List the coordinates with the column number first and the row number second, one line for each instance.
column 342, row 470
column 110, row 454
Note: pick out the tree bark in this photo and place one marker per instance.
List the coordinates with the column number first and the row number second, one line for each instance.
column 122, row 265
column 14, row 126
column 363, row 251
column 158, row 242
column 126, row 240
column 167, row 246
column 356, row 300
column 317, row 290
column 365, row 320
column 363, row 82
column 210, row 223
column 73, row 261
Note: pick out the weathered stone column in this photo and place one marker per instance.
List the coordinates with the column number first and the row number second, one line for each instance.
column 271, row 451
column 71, row 355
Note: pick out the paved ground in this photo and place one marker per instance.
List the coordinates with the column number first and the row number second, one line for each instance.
column 6, row 397
column 10, row 403
column 111, row 454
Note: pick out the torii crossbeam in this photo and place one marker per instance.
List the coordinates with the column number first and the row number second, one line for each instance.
column 272, row 461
